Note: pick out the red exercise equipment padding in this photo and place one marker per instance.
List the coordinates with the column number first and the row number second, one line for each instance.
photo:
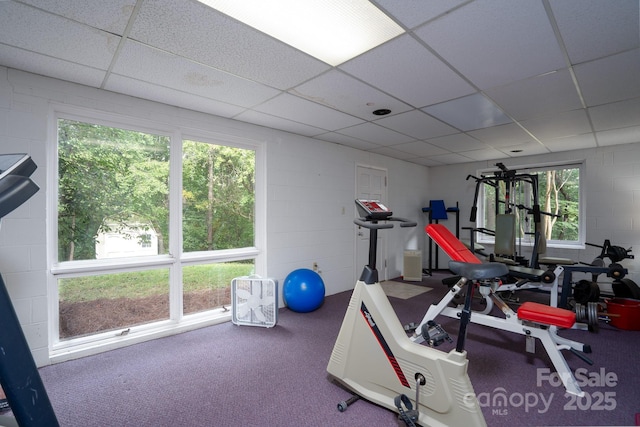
column 547, row 315
column 449, row 243
column 529, row 311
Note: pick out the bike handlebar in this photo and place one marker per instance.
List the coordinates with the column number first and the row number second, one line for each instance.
column 374, row 225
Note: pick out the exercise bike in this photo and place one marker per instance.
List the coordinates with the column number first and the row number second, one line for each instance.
column 374, row 357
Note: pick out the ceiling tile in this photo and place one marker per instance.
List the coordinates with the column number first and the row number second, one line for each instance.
column 526, row 149
column 504, row 52
column 594, row 28
column 426, row 161
column 377, row 134
column 619, row 136
column 503, row 135
column 449, row 159
column 469, row 113
column 458, row 142
column 165, row 69
column 421, row 80
column 300, row 110
column 204, row 35
column 142, row 89
column 48, row 66
column 392, row 152
column 415, row 12
column 270, row 121
column 347, row 140
column 495, row 42
column 610, row 79
column 55, row 36
column 484, row 154
column 576, row 142
column 417, row 124
column 559, row 125
column 342, row 92
column 616, row 115
column 537, row 96
column 420, row 148
column 111, row 16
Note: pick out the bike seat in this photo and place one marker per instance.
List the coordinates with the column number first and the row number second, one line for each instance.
column 473, row 271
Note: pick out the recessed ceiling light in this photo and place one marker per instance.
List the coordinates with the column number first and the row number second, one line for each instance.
column 333, row 31
column 382, row 112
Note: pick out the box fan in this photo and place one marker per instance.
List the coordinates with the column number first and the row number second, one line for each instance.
column 254, row 301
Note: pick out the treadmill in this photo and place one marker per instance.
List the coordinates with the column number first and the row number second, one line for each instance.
column 19, row 375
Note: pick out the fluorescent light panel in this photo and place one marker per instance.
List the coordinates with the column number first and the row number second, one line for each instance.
column 333, row 31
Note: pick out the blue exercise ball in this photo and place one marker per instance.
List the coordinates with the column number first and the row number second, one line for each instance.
column 303, row 290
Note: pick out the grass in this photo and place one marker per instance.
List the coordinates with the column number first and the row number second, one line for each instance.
column 146, row 283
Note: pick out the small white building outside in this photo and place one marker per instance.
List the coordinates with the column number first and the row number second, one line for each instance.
column 134, row 241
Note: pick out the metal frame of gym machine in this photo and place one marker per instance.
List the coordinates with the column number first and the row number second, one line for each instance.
column 527, row 274
column 19, row 375
column 510, row 178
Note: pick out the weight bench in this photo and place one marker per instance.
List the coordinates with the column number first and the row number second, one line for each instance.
column 527, row 277
column 533, row 320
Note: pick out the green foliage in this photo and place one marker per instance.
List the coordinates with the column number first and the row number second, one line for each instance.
column 112, row 178
column 106, row 175
column 558, row 195
column 218, row 197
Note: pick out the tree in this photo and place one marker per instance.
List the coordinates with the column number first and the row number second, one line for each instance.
column 560, row 194
column 100, row 184
column 218, row 192
column 113, row 179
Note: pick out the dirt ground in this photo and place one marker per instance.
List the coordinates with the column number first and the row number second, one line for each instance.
column 87, row 317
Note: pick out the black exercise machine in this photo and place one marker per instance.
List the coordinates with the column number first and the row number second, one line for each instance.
column 19, row 375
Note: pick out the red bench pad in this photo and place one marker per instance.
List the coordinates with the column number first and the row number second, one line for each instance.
column 531, row 311
column 450, row 244
column 547, row 315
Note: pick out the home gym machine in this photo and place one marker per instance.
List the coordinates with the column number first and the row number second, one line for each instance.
column 374, row 357
column 515, row 188
column 19, row 375
column 533, row 320
column 510, row 215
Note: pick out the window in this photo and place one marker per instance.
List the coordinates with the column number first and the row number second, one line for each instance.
column 553, row 189
column 111, row 182
column 218, row 213
column 218, row 197
column 141, row 241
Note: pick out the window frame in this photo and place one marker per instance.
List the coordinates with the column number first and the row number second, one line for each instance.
column 532, row 168
column 174, row 260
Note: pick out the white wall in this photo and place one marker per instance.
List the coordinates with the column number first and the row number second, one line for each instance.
column 310, row 192
column 311, row 204
column 612, row 184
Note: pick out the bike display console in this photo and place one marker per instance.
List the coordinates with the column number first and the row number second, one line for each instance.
column 373, row 210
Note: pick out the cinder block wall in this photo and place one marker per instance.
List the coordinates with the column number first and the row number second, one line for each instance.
column 310, row 192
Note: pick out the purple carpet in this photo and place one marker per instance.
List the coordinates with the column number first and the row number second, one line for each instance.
column 249, row 376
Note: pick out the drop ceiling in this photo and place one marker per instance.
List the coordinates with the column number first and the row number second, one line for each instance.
column 466, row 81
